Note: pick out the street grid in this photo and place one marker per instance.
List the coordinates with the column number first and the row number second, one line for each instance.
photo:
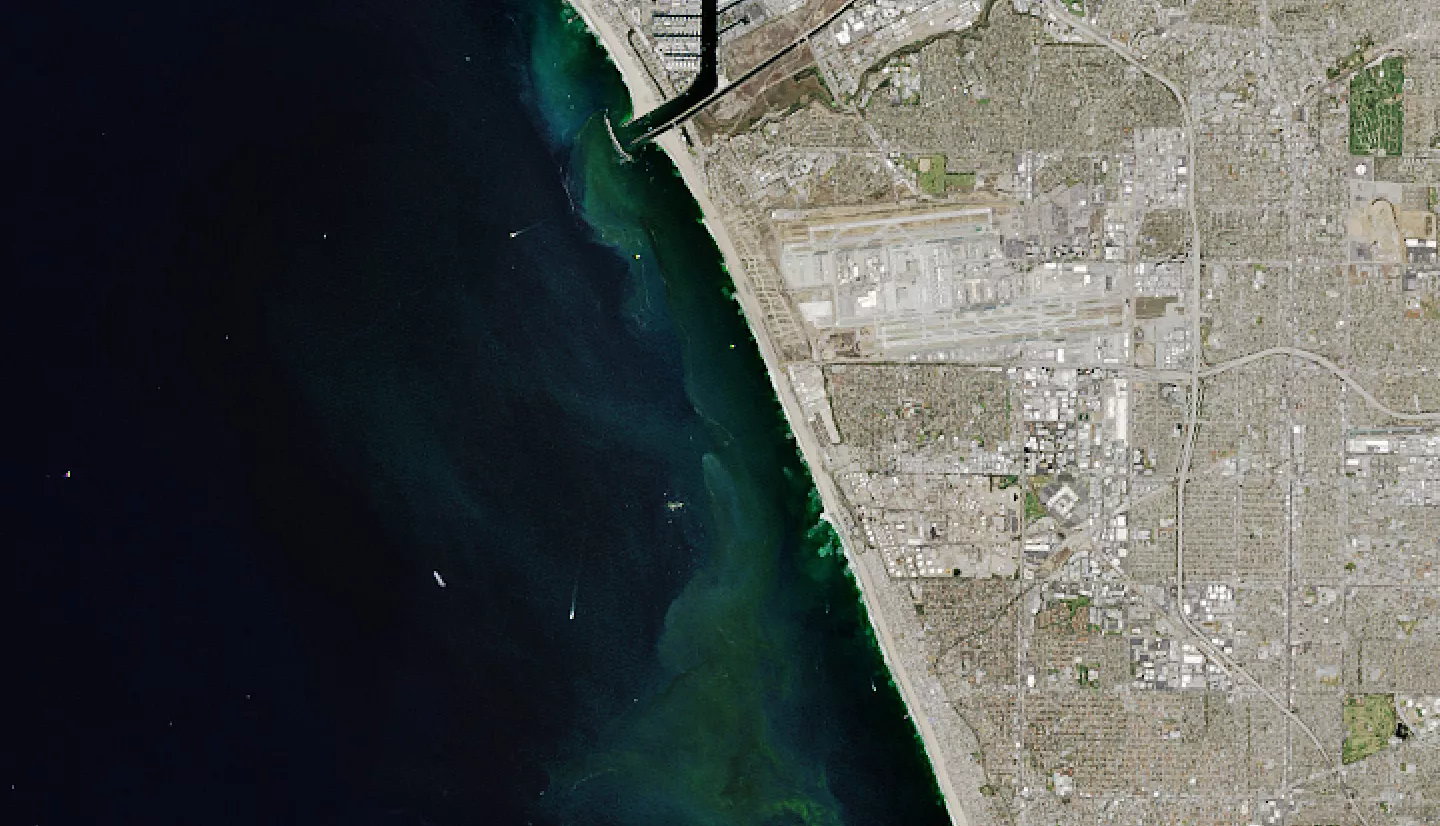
column 1137, row 424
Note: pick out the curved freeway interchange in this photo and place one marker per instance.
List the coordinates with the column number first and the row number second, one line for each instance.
column 1061, row 14
column 1316, row 358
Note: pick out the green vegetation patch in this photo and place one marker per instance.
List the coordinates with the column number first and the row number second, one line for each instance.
column 1351, row 61
column 1152, row 307
column 934, row 180
column 1377, row 114
column 1369, row 724
column 1076, row 605
column 1033, row 509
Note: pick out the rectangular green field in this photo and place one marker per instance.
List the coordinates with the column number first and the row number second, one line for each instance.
column 1369, row 724
column 1377, row 115
column 934, row 180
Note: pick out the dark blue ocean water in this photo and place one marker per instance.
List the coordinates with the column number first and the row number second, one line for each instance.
column 274, row 357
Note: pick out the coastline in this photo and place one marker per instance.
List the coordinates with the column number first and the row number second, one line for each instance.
column 645, row 97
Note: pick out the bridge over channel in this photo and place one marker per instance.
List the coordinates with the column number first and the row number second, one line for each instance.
column 706, row 89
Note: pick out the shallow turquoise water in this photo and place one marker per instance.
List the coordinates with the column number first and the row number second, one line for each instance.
column 323, row 301
column 760, row 708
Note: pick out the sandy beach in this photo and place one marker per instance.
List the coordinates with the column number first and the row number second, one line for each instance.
column 646, row 97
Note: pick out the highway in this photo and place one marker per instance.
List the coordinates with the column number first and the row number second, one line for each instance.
column 1316, row 358
column 1064, row 16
